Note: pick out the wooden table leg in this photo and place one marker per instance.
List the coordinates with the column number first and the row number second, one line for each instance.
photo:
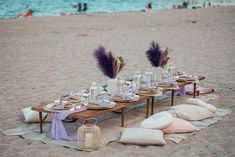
column 172, row 97
column 40, row 121
column 122, row 117
column 152, row 106
column 194, row 90
column 147, row 108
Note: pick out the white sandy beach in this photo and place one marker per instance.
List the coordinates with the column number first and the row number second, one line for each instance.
column 45, row 57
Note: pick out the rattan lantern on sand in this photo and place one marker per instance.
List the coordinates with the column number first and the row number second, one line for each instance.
column 88, row 135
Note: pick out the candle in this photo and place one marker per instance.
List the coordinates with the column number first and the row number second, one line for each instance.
column 88, row 140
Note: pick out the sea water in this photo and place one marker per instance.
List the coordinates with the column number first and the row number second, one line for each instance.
column 11, row 8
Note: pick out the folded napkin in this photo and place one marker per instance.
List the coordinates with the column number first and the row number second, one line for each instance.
column 129, row 93
column 181, row 91
column 191, row 77
column 57, row 105
column 64, row 97
column 104, row 101
column 169, row 80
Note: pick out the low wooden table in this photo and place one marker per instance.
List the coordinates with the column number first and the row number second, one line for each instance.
column 180, row 84
column 94, row 113
column 152, row 100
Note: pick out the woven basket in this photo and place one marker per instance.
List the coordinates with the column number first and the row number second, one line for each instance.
column 88, row 135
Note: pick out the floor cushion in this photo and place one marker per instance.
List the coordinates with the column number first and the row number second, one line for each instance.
column 142, row 136
column 157, row 121
column 180, row 126
column 194, row 112
column 33, row 116
column 179, row 114
column 201, row 103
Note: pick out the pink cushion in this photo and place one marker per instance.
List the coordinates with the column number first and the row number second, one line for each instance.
column 194, row 112
column 180, row 126
column 179, row 114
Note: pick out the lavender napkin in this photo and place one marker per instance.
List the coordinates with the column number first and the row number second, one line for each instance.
column 57, row 105
column 181, row 91
column 169, row 80
column 58, row 131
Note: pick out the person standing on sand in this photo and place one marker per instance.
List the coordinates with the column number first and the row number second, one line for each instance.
column 85, row 7
column 185, row 4
column 78, row 6
column 209, row 3
column 149, row 7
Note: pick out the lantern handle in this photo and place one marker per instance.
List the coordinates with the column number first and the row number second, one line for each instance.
column 90, row 119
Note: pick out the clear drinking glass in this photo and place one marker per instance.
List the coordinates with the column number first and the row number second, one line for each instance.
column 154, row 74
column 148, row 78
column 137, row 80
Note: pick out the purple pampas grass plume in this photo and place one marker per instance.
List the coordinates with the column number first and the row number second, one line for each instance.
column 105, row 61
column 154, row 54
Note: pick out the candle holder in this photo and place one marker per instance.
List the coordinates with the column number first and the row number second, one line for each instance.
column 89, row 135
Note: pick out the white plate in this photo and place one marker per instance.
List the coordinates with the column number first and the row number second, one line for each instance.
column 112, row 104
column 118, row 99
column 50, row 106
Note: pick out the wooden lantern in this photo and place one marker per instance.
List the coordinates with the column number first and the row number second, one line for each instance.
column 88, row 135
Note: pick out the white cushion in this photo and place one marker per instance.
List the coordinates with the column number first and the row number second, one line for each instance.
column 157, row 121
column 33, row 116
column 142, row 136
column 180, row 126
column 201, row 103
column 194, row 112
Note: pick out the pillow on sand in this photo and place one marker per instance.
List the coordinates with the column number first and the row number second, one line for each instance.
column 157, row 121
column 194, row 112
column 180, row 126
column 179, row 114
column 33, row 116
column 142, row 136
column 201, row 103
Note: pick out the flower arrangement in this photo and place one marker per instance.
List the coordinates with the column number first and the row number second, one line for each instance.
column 107, row 63
column 156, row 56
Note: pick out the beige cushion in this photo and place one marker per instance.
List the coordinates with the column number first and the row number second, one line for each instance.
column 201, row 103
column 180, row 126
column 194, row 112
column 157, row 121
column 179, row 114
column 33, row 116
column 142, row 136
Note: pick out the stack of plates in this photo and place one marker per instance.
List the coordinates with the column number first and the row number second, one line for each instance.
column 187, row 78
column 93, row 106
column 56, row 107
column 148, row 91
column 164, row 85
column 127, row 99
